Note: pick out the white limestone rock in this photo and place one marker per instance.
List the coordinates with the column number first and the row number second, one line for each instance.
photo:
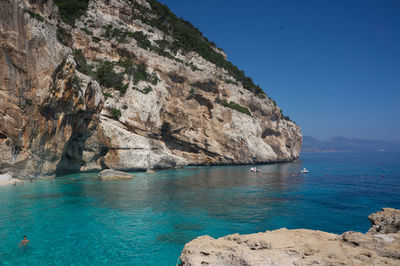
column 299, row 247
column 110, row 174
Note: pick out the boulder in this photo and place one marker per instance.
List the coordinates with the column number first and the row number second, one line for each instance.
column 110, row 174
column 385, row 222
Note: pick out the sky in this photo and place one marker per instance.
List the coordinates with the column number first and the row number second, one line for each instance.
column 332, row 66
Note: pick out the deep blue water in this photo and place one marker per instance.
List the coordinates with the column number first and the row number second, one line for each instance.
column 78, row 220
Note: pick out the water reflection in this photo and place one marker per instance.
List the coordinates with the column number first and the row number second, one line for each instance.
column 222, row 177
column 150, row 217
column 230, row 191
column 227, row 192
column 220, row 191
column 209, row 188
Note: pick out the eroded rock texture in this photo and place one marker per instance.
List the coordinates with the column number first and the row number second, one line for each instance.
column 301, row 247
column 154, row 107
column 385, row 222
column 40, row 106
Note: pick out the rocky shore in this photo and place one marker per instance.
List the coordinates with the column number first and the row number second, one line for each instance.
column 379, row 246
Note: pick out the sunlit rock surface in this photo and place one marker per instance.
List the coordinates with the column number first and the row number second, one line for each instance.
column 54, row 117
column 302, row 247
column 109, row 174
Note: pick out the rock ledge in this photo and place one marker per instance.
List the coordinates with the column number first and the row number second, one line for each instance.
column 380, row 246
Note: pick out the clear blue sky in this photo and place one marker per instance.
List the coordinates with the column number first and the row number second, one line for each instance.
column 332, row 66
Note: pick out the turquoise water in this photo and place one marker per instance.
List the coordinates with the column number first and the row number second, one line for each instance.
column 78, row 220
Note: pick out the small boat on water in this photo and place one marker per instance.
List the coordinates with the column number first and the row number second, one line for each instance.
column 304, row 171
column 255, row 170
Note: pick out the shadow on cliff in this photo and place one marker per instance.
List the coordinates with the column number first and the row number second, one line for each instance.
column 72, row 158
column 84, row 124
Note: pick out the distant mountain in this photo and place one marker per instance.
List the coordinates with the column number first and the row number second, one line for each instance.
column 341, row 144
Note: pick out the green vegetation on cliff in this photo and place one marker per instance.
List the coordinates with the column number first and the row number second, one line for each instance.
column 145, row 90
column 116, row 113
column 70, row 10
column 63, row 36
column 104, row 73
column 142, row 40
column 234, row 106
column 188, row 38
column 285, row 117
column 81, row 63
column 76, row 81
column 107, row 77
column 89, row 32
column 34, row 15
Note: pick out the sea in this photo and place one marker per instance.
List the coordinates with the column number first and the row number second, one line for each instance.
column 77, row 219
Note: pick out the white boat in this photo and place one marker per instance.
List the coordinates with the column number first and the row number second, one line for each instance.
column 304, row 171
column 255, row 170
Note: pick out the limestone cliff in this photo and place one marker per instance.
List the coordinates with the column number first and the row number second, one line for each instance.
column 125, row 85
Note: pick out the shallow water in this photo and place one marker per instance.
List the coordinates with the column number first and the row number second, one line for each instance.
column 78, row 220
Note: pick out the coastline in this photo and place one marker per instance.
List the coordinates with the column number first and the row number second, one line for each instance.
column 132, row 170
column 8, row 179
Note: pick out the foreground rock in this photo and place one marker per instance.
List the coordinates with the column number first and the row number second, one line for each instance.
column 301, row 247
column 109, row 174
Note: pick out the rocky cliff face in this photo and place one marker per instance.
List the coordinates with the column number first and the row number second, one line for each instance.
column 119, row 88
column 380, row 246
